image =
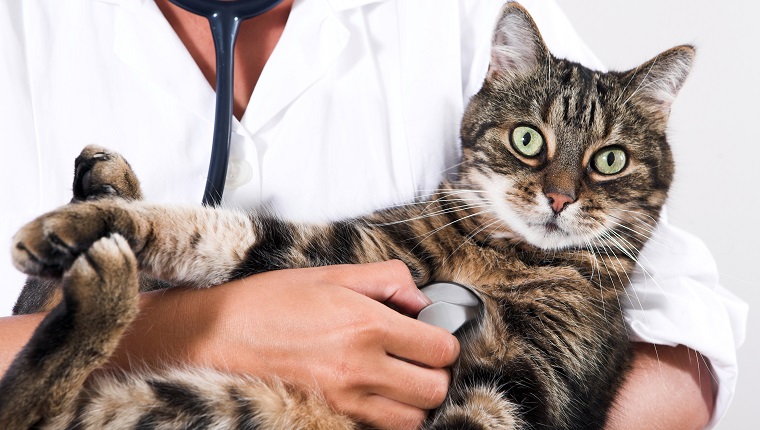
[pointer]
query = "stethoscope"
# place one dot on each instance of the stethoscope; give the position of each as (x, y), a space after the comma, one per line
(454, 305)
(225, 17)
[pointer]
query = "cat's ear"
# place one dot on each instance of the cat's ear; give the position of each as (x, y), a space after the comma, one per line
(517, 48)
(657, 82)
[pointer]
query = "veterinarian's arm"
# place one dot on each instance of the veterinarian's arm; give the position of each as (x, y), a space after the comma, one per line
(309, 328)
(305, 326)
(669, 388)
(14, 333)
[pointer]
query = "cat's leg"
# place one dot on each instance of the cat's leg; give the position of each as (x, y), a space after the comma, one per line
(193, 244)
(99, 301)
(98, 173)
(481, 407)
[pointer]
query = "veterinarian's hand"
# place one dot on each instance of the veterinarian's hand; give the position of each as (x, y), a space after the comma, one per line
(324, 328)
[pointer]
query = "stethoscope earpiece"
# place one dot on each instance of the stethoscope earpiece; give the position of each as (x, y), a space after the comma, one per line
(225, 17)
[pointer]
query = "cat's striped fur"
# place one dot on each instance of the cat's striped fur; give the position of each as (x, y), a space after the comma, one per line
(547, 239)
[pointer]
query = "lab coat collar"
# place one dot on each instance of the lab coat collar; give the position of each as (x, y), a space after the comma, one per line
(145, 41)
(313, 38)
(311, 42)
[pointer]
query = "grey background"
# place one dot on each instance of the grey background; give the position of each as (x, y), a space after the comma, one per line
(714, 132)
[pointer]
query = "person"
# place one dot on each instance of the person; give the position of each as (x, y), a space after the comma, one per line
(342, 107)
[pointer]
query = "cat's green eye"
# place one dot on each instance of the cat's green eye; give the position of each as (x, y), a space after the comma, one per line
(527, 141)
(610, 161)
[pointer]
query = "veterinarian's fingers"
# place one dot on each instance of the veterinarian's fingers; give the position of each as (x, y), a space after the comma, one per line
(421, 343)
(383, 413)
(413, 385)
(389, 282)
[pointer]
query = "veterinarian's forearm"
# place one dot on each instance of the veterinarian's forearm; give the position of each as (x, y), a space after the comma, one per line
(669, 388)
(14, 333)
(338, 337)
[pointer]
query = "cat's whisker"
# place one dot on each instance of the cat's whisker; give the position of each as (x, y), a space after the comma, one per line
(434, 214)
(455, 190)
(587, 245)
(436, 230)
(637, 216)
(623, 225)
(444, 196)
(443, 192)
(627, 252)
(599, 275)
(651, 276)
(612, 280)
(618, 241)
(643, 86)
(651, 66)
(470, 236)
(654, 237)
(627, 84)
(639, 213)
(634, 234)
(701, 359)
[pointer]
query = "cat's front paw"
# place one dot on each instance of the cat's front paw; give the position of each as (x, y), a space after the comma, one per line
(103, 282)
(101, 173)
(49, 245)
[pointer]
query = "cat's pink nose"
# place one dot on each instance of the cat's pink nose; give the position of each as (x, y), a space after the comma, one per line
(559, 201)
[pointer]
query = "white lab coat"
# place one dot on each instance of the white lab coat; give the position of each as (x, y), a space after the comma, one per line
(358, 108)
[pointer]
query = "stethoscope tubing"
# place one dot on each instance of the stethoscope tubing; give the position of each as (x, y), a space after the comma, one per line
(224, 17)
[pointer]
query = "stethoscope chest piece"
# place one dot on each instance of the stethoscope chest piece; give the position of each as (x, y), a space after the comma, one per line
(454, 305)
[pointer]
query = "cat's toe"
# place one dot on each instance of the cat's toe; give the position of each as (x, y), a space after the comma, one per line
(101, 173)
(48, 245)
(40, 254)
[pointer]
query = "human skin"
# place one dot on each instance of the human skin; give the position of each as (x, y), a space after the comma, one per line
(669, 388)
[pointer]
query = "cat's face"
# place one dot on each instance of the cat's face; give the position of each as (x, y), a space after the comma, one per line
(561, 155)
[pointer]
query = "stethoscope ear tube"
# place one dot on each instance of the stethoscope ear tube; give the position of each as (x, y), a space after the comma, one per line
(225, 17)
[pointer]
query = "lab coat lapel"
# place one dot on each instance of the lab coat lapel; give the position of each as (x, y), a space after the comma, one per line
(312, 40)
(145, 41)
(310, 43)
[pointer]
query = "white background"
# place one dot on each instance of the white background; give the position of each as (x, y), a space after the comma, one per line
(714, 131)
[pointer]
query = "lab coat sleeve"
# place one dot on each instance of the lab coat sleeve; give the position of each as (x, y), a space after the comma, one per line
(675, 297)
(19, 171)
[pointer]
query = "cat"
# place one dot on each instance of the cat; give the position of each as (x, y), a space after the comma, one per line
(564, 173)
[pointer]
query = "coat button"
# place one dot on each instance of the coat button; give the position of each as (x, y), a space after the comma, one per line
(239, 173)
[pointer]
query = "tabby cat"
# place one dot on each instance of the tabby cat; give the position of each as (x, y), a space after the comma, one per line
(564, 172)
